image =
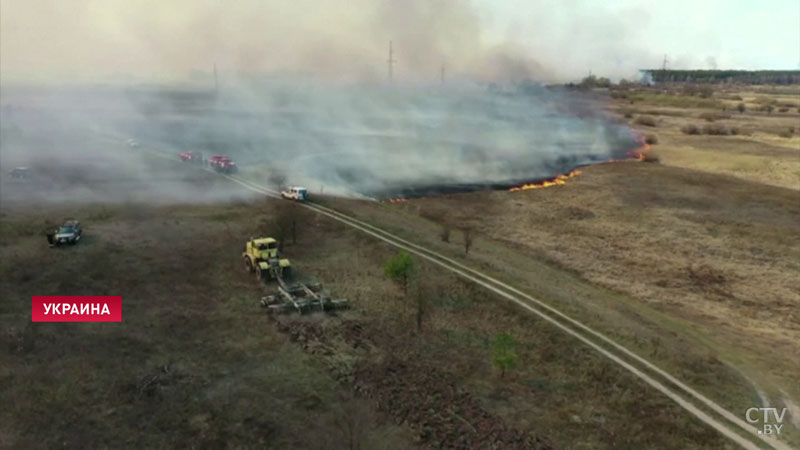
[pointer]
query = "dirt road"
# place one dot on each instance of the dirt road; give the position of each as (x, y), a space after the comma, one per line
(700, 406)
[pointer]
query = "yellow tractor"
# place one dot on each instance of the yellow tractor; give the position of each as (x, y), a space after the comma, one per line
(261, 256)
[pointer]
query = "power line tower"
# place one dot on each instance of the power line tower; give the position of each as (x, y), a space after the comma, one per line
(390, 62)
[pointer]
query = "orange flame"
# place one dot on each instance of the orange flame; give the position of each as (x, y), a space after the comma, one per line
(637, 154)
(561, 179)
(556, 181)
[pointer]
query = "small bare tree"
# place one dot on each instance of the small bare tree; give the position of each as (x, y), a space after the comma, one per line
(445, 233)
(422, 303)
(277, 179)
(351, 425)
(285, 223)
(467, 239)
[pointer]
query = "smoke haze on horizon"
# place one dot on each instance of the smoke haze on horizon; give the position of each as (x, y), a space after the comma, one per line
(121, 41)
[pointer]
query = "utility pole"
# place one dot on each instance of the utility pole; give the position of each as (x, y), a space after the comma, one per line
(390, 62)
(216, 81)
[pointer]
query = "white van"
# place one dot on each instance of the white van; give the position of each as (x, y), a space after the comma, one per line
(295, 193)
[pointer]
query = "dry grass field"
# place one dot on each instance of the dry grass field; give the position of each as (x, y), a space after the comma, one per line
(703, 246)
(765, 147)
(196, 363)
(692, 262)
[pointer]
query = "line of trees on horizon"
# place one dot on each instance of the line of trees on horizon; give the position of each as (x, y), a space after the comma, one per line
(723, 76)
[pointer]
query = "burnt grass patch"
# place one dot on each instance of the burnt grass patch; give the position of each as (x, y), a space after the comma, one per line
(406, 388)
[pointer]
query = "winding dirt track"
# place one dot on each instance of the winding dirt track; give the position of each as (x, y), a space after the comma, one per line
(711, 413)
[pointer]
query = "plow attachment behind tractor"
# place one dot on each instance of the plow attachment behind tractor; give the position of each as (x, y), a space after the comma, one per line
(301, 298)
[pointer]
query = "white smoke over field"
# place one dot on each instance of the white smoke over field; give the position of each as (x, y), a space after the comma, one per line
(68, 141)
(378, 141)
(357, 140)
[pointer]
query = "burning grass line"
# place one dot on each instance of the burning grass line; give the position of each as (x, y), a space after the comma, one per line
(637, 154)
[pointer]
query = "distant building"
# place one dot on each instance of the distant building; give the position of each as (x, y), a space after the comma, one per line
(650, 76)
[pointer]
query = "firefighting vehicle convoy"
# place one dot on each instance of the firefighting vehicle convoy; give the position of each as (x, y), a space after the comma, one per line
(218, 163)
(222, 164)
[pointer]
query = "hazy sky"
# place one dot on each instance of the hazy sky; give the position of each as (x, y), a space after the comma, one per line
(84, 40)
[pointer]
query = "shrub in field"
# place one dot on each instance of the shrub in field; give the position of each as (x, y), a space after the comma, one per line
(689, 89)
(651, 139)
(783, 110)
(400, 269)
(690, 129)
(646, 121)
(503, 355)
(715, 129)
(708, 117)
(705, 91)
(741, 108)
(785, 134)
(712, 116)
(626, 112)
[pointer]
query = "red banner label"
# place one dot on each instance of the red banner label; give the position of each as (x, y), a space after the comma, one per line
(77, 308)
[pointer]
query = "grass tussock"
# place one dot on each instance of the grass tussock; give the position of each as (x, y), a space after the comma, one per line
(715, 129)
(690, 129)
(711, 129)
(678, 101)
(647, 121)
(711, 116)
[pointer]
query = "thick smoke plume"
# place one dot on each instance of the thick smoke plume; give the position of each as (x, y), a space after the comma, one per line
(382, 141)
(303, 90)
(331, 41)
(376, 141)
